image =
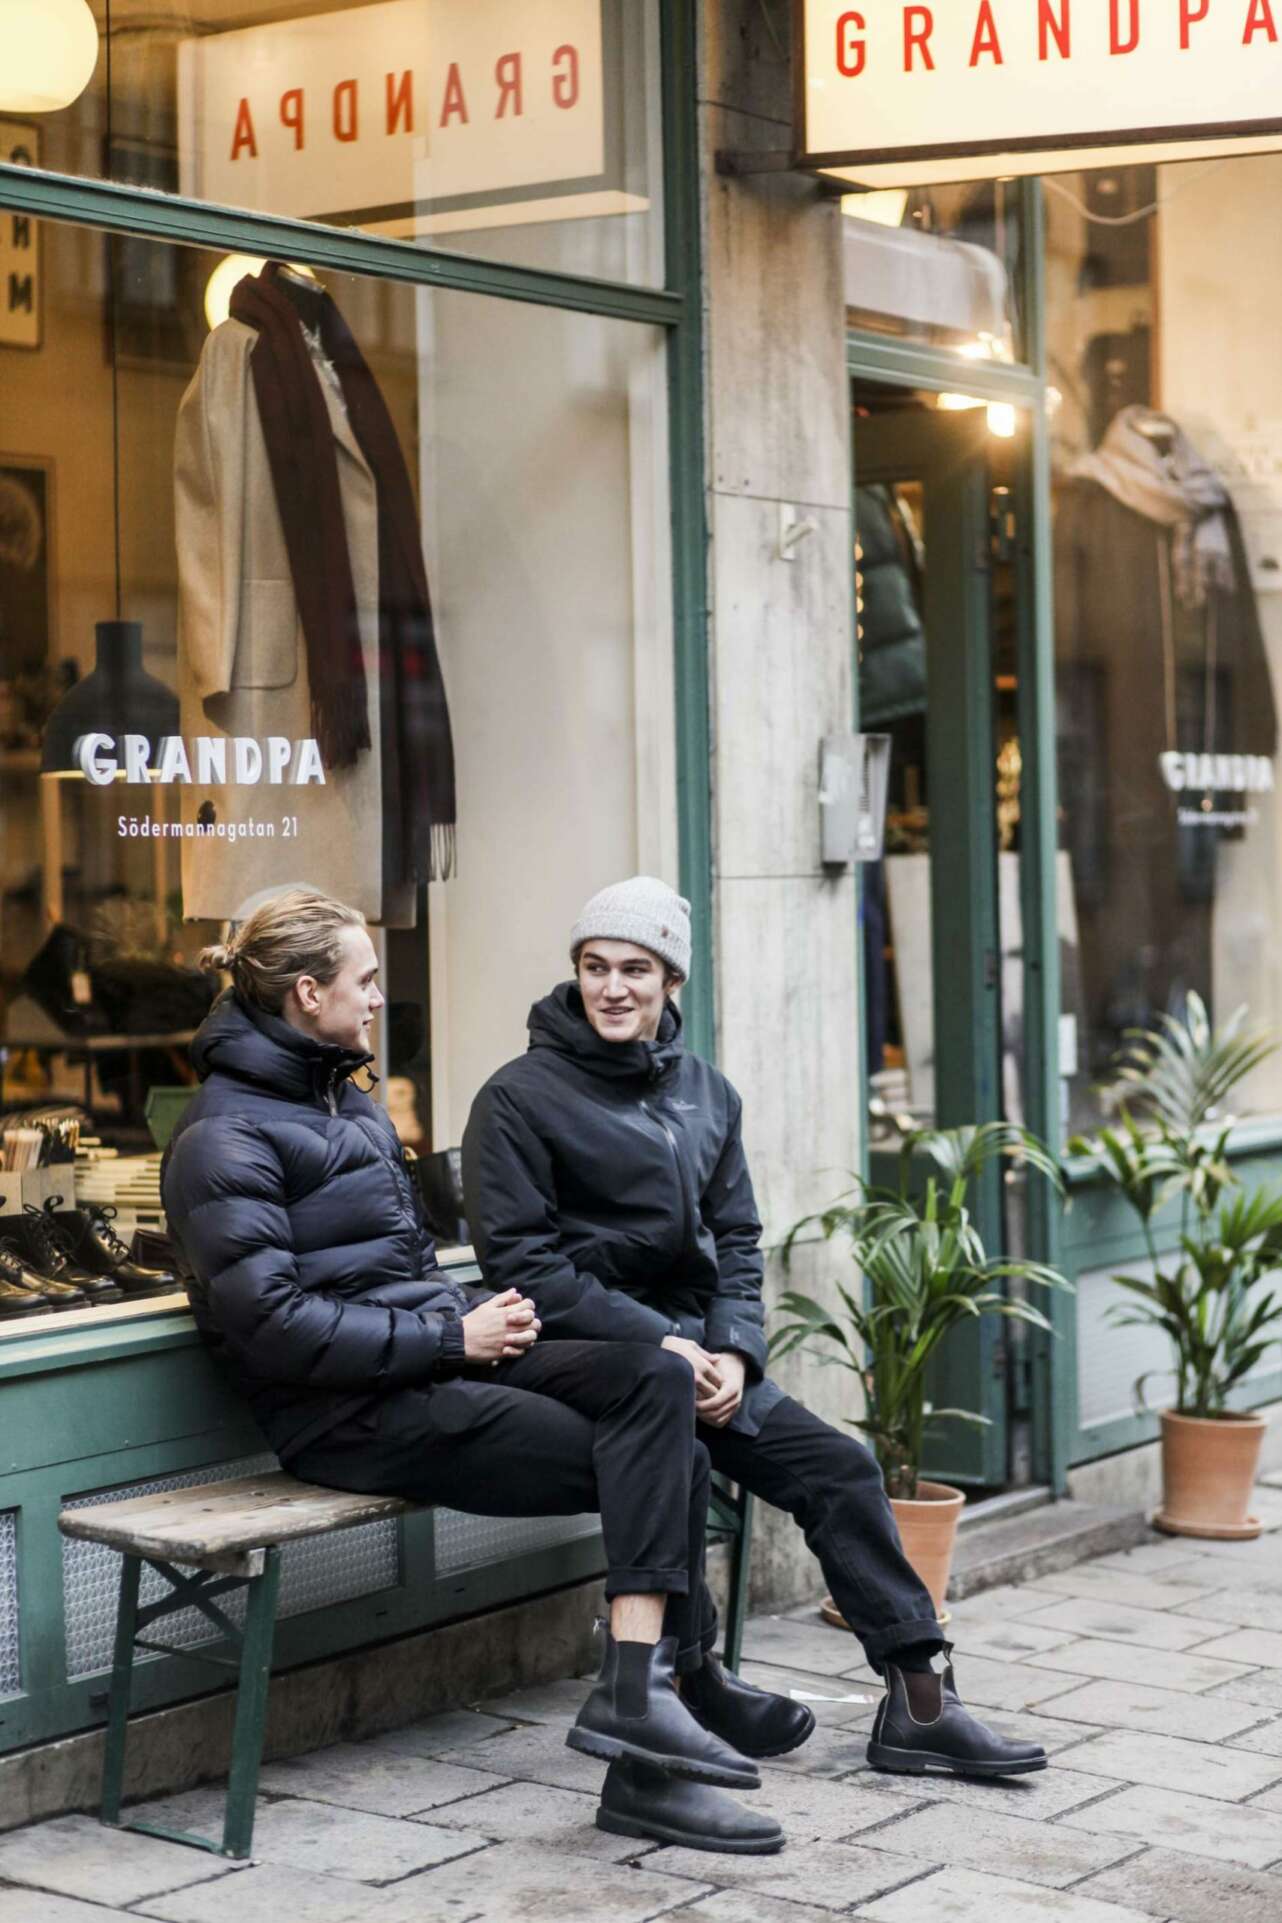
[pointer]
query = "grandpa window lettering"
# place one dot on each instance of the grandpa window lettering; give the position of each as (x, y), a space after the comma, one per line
(404, 108)
(208, 760)
(1126, 24)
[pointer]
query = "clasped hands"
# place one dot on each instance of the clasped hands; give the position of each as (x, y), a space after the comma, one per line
(718, 1379)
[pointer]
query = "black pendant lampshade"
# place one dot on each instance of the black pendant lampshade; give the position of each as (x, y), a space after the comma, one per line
(117, 697)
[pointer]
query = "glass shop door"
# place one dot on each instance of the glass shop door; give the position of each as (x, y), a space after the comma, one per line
(936, 580)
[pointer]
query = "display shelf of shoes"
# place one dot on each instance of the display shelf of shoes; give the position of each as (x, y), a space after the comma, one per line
(128, 1186)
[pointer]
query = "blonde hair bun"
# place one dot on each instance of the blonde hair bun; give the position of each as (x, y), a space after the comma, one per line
(217, 957)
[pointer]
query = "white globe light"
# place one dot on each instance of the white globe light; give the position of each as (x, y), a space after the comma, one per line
(229, 271)
(48, 51)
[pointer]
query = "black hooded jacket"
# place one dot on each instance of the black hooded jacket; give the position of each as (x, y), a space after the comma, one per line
(316, 1283)
(607, 1181)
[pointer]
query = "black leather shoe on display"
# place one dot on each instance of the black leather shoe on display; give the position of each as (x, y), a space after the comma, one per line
(639, 1801)
(634, 1711)
(42, 1244)
(753, 1721)
(92, 1244)
(923, 1725)
(47, 1258)
(16, 1269)
(15, 1300)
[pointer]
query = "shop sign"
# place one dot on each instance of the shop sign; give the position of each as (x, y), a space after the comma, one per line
(239, 761)
(19, 247)
(896, 94)
(410, 117)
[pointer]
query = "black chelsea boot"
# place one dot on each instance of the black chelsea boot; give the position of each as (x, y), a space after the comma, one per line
(923, 1724)
(634, 1711)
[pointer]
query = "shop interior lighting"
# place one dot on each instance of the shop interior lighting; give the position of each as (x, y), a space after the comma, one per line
(1001, 420)
(50, 52)
(227, 274)
(886, 207)
(957, 403)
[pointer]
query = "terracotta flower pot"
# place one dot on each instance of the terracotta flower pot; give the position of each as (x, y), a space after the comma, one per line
(928, 1531)
(1208, 1472)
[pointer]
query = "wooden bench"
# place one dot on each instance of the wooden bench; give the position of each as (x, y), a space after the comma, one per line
(213, 1540)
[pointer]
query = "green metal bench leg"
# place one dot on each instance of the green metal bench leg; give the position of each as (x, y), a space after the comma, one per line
(737, 1601)
(122, 1676)
(251, 1708)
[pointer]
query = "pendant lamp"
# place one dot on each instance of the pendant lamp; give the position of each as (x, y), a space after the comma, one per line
(48, 51)
(117, 697)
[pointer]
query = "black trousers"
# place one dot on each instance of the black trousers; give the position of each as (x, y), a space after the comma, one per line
(831, 1484)
(568, 1429)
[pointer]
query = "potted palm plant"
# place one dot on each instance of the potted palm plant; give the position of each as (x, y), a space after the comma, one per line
(1209, 1295)
(924, 1272)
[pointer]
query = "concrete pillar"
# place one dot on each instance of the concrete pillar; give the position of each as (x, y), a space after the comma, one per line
(781, 648)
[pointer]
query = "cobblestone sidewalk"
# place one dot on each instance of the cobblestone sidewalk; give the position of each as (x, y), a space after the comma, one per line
(1154, 1678)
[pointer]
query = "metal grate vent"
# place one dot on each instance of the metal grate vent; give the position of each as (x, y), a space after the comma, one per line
(10, 1658)
(467, 1542)
(315, 1574)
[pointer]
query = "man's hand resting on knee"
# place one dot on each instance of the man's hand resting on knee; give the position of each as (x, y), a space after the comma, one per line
(504, 1326)
(707, 1379)
(717, 1408)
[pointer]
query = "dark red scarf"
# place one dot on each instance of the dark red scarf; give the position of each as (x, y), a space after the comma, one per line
(414, 718)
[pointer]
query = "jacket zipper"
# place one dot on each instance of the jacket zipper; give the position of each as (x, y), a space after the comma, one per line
(671, 1140)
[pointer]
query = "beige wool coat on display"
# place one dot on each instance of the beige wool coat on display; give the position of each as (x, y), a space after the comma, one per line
(243, 657)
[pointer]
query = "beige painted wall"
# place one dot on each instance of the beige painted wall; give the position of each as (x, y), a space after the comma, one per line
(781, 677)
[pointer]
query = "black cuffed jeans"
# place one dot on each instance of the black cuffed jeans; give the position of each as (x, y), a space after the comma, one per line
(831, 1484)
(567, 1429)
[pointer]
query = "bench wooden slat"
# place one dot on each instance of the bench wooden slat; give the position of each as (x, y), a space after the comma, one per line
(207, 1525)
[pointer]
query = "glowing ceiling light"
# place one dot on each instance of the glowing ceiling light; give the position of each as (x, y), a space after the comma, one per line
(885, 207)
(218, 288)
(957, 403)
(1001, 420)
(50, 52)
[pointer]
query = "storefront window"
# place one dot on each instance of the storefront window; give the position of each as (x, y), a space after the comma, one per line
(527, 133)
(1162, 284)
(317, 593)
(937, 265)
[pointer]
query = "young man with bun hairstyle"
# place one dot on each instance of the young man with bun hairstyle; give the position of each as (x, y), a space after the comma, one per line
(605, 1177)
(317, 1287)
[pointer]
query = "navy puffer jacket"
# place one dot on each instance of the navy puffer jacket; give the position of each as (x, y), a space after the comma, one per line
(316, 1283)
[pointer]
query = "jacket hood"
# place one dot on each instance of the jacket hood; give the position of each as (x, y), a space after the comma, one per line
(237, 1039)
(559, 1022)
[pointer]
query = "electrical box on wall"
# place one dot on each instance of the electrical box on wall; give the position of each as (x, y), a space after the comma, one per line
(854, 772)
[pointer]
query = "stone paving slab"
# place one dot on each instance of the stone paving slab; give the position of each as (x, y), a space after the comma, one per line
(1175, 1884)
(1119, 1662)
(538, 1754)
(1270, 1798)
(826, 1876)
(1265, 1739)
(1229, 1832)
(1043, 1794)
(1175, 1764)
(816, 1688)
(1008, 1641)
(747, 1905)
(813, 1646)
(76, 1856)
(956, 1833)
(528, 1881)
(563, 1819)
(1160, 1556)
(832, 1750)
(1261, 1687)
(813, 1811)
(1118, 1622)
(39, 1906)
(1260, 1647)
(350, 1843)
(1175, 1591)
(363, 1776)
(556, 1702)
(266, 1893)
(1166, 1712)
(972, 1896)
(453, 1729)
(1257, 1607)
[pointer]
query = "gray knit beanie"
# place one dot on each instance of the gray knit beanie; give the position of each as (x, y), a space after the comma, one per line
(644, 911)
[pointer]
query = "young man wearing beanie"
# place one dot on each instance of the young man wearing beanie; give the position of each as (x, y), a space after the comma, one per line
(605, 1177)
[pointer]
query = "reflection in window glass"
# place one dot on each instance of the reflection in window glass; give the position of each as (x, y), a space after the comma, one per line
(281, 600)
(526, 132)
(938, 265)
(1162, 286)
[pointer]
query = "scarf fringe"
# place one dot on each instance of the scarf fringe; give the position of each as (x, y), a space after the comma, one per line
(442, 852)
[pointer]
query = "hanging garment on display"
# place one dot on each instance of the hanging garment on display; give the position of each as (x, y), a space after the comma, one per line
(304, 613)
(1156, 616)
(892, 641)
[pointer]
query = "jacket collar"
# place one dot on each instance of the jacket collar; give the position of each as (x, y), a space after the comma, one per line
(238, 1039)
(558, 1022)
